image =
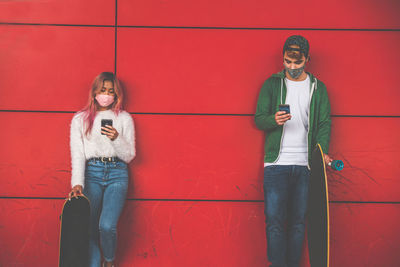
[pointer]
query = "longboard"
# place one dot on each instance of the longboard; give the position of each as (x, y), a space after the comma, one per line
(318, 212)
(74, 233)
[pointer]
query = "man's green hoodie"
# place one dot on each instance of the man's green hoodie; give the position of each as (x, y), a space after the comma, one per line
(273, 93)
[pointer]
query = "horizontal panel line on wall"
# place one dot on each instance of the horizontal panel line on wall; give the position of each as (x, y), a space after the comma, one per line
(364, 202)
(55, 25)
(211, 200)
(199, 28)
(199, 114)
(252, 28)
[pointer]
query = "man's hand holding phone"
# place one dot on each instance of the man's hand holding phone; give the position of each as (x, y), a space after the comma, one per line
(283, 114)
(281, 117)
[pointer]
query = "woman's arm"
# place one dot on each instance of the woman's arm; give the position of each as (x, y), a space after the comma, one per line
(124, 144)
(78, 158)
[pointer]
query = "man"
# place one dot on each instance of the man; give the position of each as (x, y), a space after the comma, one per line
(289, 141)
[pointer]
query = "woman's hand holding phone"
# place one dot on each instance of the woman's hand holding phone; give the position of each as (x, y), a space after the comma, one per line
(110, 132)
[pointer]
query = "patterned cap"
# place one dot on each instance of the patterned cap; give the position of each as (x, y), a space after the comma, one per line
(298, 40)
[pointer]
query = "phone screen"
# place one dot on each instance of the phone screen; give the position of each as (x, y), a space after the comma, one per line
(105, 122)
(285, 108)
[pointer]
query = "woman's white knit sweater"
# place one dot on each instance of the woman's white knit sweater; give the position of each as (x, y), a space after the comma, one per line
(84, 147)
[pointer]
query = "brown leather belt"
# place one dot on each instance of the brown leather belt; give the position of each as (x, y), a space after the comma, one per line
(106, 159)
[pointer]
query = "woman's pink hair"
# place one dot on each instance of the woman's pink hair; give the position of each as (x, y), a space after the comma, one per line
(89, 111)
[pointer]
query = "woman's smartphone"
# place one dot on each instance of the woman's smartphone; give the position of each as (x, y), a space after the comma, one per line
(105, 122)
(284, 107)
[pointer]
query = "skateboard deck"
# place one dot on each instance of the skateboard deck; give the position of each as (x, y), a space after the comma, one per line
(74, 233)
(318, 212)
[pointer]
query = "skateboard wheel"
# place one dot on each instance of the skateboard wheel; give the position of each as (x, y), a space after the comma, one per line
(337, 165)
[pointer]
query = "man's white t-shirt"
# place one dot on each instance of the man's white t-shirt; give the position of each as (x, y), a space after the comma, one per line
(294, 140)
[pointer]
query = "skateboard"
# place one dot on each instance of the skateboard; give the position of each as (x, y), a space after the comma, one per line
(318, 209)
(74, 233)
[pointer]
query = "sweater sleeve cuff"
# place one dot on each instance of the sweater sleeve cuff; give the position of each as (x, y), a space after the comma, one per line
(77, 181)
(118, 142)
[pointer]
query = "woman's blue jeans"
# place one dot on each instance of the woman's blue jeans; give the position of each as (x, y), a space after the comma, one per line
(285, 206)
(106, 185)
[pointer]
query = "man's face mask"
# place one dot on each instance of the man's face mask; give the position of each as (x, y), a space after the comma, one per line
(295, 73)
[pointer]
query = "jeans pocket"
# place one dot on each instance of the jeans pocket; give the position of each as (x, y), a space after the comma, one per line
(93, 170)
(275, 174)
(121, 165)
(270, 167)
(93, 164)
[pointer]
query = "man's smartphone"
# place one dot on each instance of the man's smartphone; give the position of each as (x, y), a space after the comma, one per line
(105, 122)
(284, 107)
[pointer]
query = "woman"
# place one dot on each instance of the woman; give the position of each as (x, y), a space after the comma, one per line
(99, 162)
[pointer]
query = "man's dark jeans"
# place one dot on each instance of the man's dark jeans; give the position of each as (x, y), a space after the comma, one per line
(285, 206)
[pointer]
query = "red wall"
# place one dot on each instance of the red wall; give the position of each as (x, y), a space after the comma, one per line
(193, 70)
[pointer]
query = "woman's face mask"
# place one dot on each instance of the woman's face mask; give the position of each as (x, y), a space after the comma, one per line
(105, 95)
(104, 100)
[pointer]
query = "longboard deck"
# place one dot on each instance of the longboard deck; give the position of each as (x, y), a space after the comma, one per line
(318, 212)
(74, 233)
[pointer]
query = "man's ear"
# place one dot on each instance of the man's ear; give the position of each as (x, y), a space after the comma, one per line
(308, 58)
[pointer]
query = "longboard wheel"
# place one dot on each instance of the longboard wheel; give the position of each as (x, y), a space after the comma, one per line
(337, 165)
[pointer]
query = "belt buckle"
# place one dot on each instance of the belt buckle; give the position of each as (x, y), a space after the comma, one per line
(106, 159)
